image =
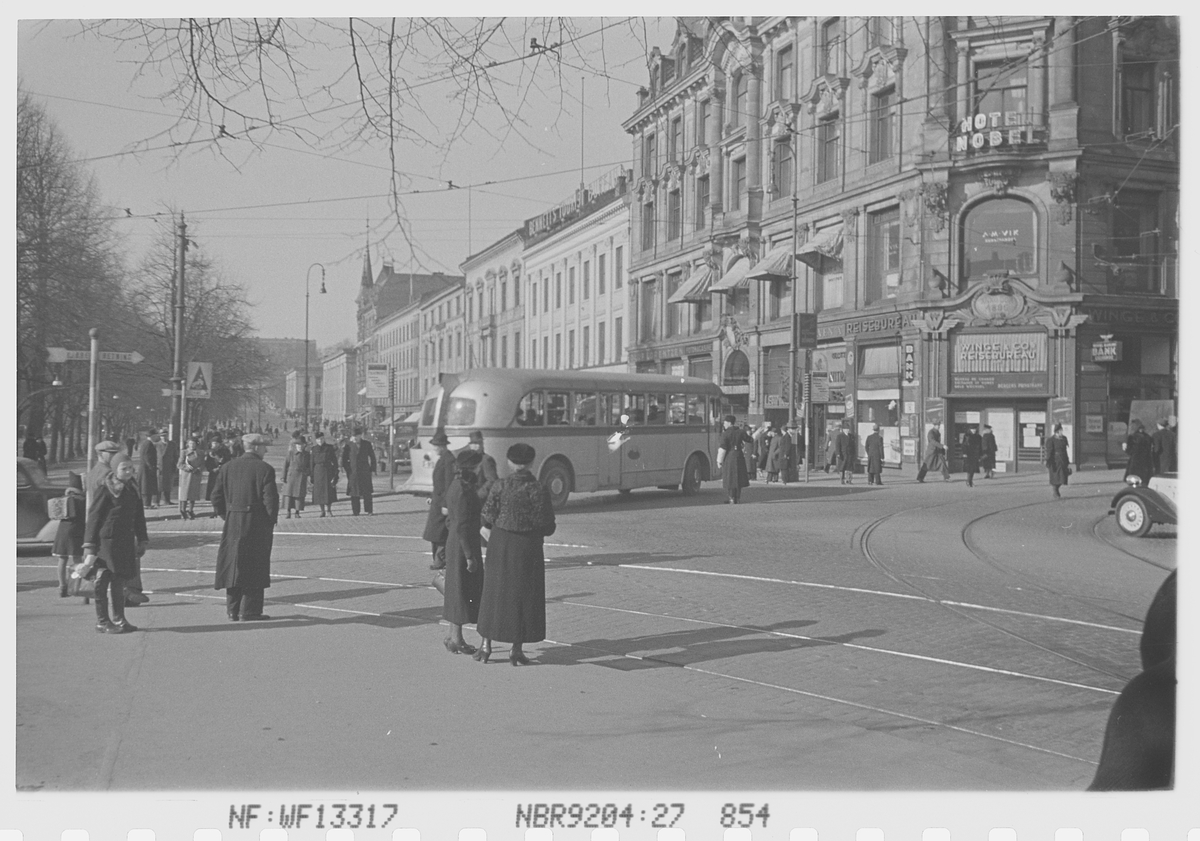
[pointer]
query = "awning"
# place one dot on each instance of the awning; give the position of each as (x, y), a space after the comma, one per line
(696, 289)
(777, 265)
(825, 245)
(735, 278)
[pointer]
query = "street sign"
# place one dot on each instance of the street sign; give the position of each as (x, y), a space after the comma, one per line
(377, 381)
(112, 356)
(56, 355)
(199, 380)
(168, 392)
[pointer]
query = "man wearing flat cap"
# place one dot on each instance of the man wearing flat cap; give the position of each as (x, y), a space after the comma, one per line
(435, 522)
(246, 498)
(486, 471)
(358, 461)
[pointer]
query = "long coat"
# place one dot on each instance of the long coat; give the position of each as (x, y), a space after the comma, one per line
(1058, 461)
(733, 468)
(147, 474)
(246, 497)
(324, 474)
(972, 452)
(168, 465)
(358, 462)
(435, 520)
(935, 452)
(1140, 449)
(216, 458)
(191, 475)
(1164, 450)
(115, 524)
(874, 447)
(463, 587)
(847, 450)
(296, 469)
(988, 460)
(781, 456)
(513, 606)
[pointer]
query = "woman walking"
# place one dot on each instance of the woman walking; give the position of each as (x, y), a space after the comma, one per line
(731, 461)
(324, 473)
(988, 462)
(935, 457)
(464, 550)
(68, 541)
(296, 469)
(114, 538)
(513, 606)
(1058, 462)
(191, 477)
(1140, 448)
(781, 458)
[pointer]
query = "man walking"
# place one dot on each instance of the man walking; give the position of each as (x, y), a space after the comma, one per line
(1164, 449)
(847, 451)
(358, 461)
(874, 445)
(436, 530)
(246, 498)
(147, 474)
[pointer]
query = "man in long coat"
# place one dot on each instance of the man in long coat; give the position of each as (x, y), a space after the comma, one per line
(147, 474)
(1164, 449)
(435, 522)
(874, 445)
(358, 461)
(168, 468)
(324, 473)
(247, 499)
(988, 462)
(972, 448)
(847, 451)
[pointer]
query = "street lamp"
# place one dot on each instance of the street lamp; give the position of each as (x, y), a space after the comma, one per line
(307, 274)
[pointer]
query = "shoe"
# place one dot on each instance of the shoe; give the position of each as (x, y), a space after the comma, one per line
(135, 598)
(254, 617)
(62, 592)
(322, 513)
(233, 617)
(289, 516)
(105, 626)
(518, 659)
(482, 655)
(121, 627)
(458, 647)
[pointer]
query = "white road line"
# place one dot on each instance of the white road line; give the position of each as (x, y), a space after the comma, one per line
(886, 593)
(342, 534)
(939, 660)
(273, 575)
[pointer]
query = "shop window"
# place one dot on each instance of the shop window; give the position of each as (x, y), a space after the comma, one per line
(999, 236)
(882, 277)
(1134, 243)
(878, 360)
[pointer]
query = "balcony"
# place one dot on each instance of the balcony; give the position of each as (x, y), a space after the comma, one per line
(999, 132)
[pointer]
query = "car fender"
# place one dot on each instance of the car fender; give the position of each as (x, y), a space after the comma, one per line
(1160, 509)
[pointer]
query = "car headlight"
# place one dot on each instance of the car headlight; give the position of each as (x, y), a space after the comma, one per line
(1133, 481)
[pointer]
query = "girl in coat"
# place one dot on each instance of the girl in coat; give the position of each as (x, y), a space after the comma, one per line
(1140, 448)
(296, 469)
(68, 542)
(191, 478)
(114, 538)
(464, 550)
(1058, 462)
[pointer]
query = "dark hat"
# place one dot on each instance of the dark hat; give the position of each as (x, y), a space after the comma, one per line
(521, 453)
(1058, 427)
(318, 434)
(108, 447)
(358, 430)
(476, 436)
(74, 480)
(439, 439)
(730, 418)
(468, 459)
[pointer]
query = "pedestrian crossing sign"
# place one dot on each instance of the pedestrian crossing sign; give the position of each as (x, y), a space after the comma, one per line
(199, 380)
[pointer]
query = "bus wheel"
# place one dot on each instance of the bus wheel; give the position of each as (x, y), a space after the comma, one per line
(691, 476)
(557, 479)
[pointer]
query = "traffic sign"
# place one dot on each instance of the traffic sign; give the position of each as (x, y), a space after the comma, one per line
(199, 380)
(114, 356)
(56, 355)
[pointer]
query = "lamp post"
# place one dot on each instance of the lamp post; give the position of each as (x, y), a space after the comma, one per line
(307, 275)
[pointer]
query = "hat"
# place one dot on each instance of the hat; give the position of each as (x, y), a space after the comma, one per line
(74, 480)
(439, 439)
(252, 438)
(108, 447)
(476, 436)
(468, 459)
(318, 434)
(521, 453)
(1058, 427)
(730, 419)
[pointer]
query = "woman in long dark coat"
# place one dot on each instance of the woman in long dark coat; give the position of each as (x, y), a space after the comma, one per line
(731, 461)
(1058, 461)
(781, 458)
(114, 538)
(988, 462)
(519, 513)
(1140, 448)
(296, 469)
(464, 550)
(972, 454)
(324, 474)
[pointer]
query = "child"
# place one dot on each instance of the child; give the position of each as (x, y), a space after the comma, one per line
(68, 543)
(114, 538)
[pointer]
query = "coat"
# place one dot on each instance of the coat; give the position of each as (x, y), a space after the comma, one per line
(846, 450)
(324, 474)
(246, 497)
(168, 463)
(435, 520)
(733, 468)
(874, 453)
(296, 469)
(513, 605)
(988, 460)
(116, 524)
(214, 460)
(147, 474)
(1140, 449)
(935, 452)
(972, 452)
(1164, 449)
(191, 475)
(781, 456)
(1058, 461)
(463, 587)
(358, 462)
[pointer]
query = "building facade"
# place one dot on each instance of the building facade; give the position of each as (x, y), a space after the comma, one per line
(339, 378)
(294, 388)
(979, 227)
(443, 335)
(495, 319)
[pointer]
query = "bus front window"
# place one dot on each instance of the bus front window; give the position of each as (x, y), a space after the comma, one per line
(428, 412)
(461, 412)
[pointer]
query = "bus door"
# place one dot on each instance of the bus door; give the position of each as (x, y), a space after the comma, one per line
(610, 442)
(633, 462)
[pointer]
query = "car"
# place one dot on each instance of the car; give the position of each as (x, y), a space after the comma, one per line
(1139, 506)
(34, 526)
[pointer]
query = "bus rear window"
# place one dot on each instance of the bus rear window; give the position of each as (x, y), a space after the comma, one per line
(461, 412)
(428, 412)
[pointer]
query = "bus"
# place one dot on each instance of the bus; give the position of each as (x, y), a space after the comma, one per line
(574, 421)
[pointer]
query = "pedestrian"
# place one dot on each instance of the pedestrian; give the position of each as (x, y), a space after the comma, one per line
(147, 472)
(34, 448)
(988, 460)
(130, 443)
(218, 456)
(168, 468)
(191, 477)
(68, 540)
(1164, 448)
(435, 520)
(110, 456)
(781, 458)
(115, 538)
(297, 467)
(358, 462)
(731, 461)
(847, 452)
(793, 433)
(520, 515)
(935, 456)
(233, 443)
(874, 448)
(247, 499)
(105, 451)
(487, 473)
(972, 445)
(830, 451)
(1140, 449)
(762, 447)
(324, 473)
(464, 549)
(1058, 461)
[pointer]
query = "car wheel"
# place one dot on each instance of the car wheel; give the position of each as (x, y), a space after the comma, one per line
(691, 476)
(556, 476)
(1132, 516)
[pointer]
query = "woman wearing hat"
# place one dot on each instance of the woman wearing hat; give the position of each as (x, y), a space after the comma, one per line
(191, 477)
(68, 542)
(731, 461)
(296, 469)
(324, 473)
(520, 515)
(464, 549)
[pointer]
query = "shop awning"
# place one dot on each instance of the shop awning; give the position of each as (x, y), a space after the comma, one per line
(735, 278)
(777, 265)
(696, 289)
(825, 245)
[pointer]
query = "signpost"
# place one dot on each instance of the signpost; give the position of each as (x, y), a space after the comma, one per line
(198, 383)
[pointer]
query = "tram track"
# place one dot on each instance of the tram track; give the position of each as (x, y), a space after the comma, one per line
(1112, 544)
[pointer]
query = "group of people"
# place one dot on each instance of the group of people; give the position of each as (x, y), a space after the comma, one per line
(321, 464)
(1151, 455)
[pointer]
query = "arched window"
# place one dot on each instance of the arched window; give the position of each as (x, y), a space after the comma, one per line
(737, 369)
(1000, 236)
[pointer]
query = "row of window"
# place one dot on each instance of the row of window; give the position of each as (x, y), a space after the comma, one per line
(586, 288)
(580, 408)
(585, 360)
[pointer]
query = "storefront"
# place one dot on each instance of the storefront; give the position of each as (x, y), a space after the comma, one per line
(829, 396)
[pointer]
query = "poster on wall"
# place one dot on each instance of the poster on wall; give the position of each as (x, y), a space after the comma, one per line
(1002, 428)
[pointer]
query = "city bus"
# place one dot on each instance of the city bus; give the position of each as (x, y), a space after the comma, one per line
(592, 431)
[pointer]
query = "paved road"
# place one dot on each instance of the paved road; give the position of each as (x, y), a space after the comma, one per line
(816, 637)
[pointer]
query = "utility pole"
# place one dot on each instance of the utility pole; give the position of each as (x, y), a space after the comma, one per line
(177, 379)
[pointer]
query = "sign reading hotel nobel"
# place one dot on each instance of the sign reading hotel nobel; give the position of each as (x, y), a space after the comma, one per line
(999, 363)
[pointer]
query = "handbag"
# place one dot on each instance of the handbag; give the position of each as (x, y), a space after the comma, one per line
(439, 581)
(56, 508)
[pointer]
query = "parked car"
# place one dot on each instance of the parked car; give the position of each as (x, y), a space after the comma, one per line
(34, 526)
(1139, 506)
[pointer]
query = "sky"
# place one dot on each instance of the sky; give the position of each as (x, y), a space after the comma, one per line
(267, 212)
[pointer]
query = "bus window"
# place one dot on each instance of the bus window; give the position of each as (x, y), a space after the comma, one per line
(635, 406)
(695, 409)
(610, 409)
(531, 409)
(678, 409)
(427, 413)
(656, 412)
(585, 409)
(461, 412)
(558, 408)
(714, 412)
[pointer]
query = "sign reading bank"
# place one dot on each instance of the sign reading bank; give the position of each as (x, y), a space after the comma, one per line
(999, 363)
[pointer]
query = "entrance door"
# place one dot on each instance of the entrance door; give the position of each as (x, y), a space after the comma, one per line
(1031, 432)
